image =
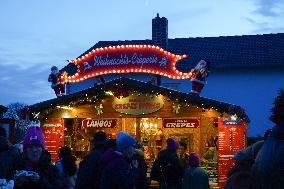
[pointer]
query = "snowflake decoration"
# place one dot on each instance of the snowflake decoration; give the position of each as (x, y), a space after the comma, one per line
(99, 109)
(176, 108)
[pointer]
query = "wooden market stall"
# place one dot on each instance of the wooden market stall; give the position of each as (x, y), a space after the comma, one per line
(213, 129)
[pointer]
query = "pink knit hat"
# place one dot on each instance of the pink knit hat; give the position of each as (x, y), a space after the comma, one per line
(193, 159)
(33, 136)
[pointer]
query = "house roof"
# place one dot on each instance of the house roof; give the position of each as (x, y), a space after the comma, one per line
(246, 51)
(128, 84)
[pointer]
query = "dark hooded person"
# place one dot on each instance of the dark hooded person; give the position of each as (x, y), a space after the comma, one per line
(268, 169)
(167, 169)
(195, 177)
(8, 157)
(88, 175)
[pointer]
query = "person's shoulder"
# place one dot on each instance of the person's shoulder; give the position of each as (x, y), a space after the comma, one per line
(200, 170)
(94, 154)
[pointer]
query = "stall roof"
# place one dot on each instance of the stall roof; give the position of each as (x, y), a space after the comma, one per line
(127, 84)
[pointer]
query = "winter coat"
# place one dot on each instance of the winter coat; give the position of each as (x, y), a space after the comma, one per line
(195, 178)
(49, 176)
(253, 149)
(117, 172)
(8, 158)
(69, 181)
(268, 170)
(88, 177)
(141, 181)
(184, 161)
(167, 170)
(240, 176)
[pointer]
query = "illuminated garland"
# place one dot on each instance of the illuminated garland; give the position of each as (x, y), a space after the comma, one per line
(79, 76)
(124, 87)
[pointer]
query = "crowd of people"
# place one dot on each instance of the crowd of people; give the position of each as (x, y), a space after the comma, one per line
(119, 163)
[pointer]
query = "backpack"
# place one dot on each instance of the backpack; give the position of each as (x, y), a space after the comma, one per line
(167, 169)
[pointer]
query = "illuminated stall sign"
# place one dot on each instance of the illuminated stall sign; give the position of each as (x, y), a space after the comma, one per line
(127, 59)
(53, 131)
(180, 123)
(98, 123)
(138, 105)
(231, 138)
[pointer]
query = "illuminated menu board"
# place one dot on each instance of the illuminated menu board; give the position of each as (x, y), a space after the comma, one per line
(53, 131)
(231, 138)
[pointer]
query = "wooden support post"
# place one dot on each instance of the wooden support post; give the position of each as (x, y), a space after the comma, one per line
(138, 130)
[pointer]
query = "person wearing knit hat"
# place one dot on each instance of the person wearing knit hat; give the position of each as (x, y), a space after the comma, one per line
(167, 169)
(34, 136)
(123, 141)
(35, 170)
(269, 163)
(119, 169)
(195, 177)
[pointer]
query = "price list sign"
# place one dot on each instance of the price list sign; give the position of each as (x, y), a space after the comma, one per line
(231, 138)
(53, 131)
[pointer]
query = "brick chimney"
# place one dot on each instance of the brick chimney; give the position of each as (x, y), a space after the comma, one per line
(160, 38)
(160, 31)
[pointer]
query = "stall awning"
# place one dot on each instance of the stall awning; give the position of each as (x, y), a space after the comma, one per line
(132, 85)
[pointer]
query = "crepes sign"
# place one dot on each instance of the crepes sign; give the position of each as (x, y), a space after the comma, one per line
(138, 105)
(180, 123)
(98, 123)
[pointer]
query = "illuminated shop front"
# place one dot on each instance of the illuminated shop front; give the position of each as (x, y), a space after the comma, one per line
(151, 113)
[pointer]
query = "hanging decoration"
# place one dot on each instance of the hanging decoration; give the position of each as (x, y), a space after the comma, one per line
(124, 87)
(176, 107)
(99, 109)
(57, 81)
(147, 59)
(199, 74)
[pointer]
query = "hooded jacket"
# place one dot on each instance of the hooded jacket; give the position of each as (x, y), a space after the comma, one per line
(88, 174)
(195, 178)
(8, 158)
(268, 169)
(117, 172)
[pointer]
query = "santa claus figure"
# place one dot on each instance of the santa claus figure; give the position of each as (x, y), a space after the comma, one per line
(199, 74)
(57, 84)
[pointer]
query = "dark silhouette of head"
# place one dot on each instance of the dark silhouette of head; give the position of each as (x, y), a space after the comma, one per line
(68, 161)
(278, 109)
(64, 152)
(100, 139)
(267, 133)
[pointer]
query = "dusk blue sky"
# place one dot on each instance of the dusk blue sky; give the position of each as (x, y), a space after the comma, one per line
(34, 34)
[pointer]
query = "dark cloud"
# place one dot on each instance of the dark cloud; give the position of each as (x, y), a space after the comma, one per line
(29, 86)
(267, 17)
(268, 7)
